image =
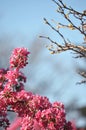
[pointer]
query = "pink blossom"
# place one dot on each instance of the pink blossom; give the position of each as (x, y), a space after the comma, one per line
(2, 78)
(51, 118)
(12, 76)
(15, 79)
(19, 57)
(34, 112)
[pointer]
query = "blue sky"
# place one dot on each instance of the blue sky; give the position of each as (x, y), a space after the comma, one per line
(21, 17)
(22, 21)
(25, 17)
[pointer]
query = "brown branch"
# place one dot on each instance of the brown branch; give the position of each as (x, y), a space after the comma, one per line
(83, 74)
(68, 46)
(68, 13)
(55, 30)
(76, 14)
(9, 110)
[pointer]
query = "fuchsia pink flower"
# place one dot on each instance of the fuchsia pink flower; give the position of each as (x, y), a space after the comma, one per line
(2, 78)
(15, 77)
(34, 112)
(19, 57)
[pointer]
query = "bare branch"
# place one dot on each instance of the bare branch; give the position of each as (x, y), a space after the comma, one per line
(69, 14)
(68, 46)
(80, 16)
(55, 30)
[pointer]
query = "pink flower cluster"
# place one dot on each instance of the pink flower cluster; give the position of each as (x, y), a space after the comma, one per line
(19, 58)
(35, 112)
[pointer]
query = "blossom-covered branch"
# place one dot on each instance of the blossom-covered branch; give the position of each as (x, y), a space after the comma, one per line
(34, 112)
